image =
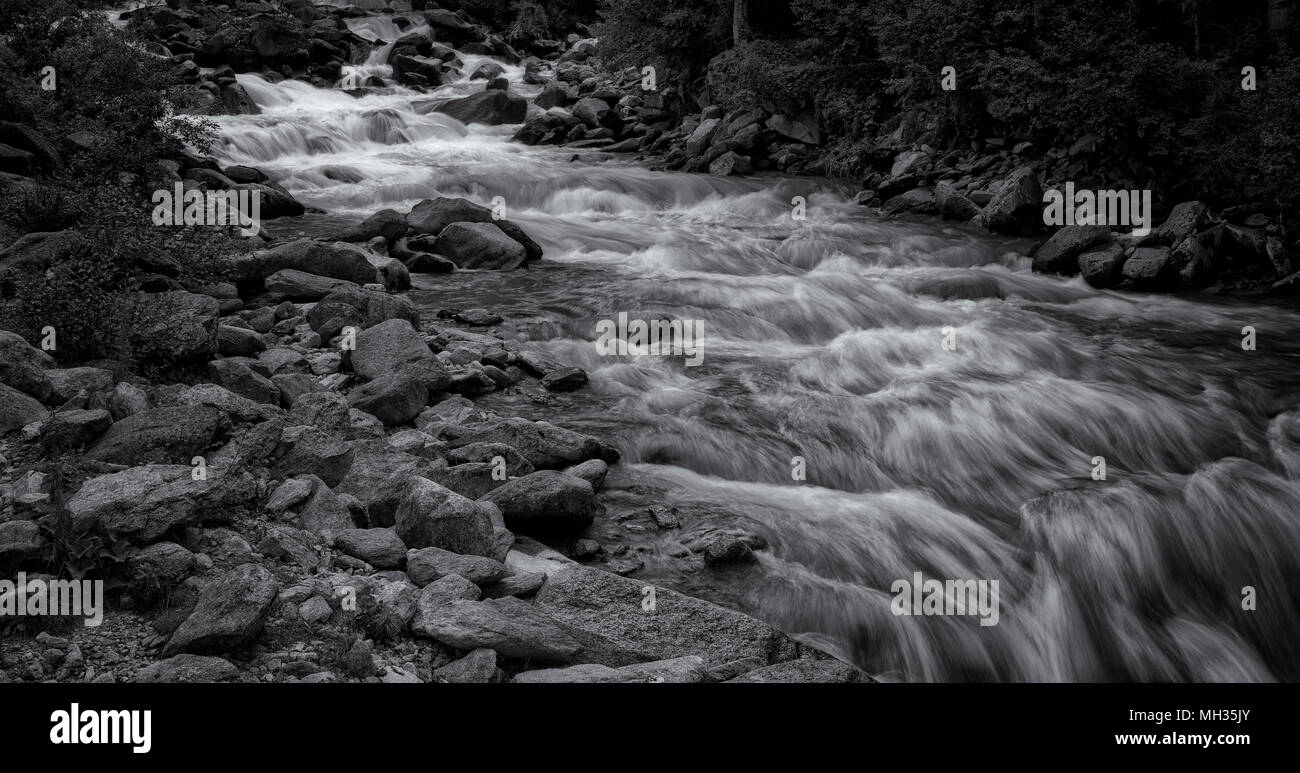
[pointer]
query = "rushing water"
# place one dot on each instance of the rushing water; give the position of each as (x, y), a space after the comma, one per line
(823, 339)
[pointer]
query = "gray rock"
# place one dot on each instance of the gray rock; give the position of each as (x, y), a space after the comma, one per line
(189, 669)
(688, 669)
(487, 107)
(431, 216)
(590, 599)
(308, 450)
(19, 540)
(1148, 268)
(425, 565)
(593, 471)
(516, 629)
(394, 399)
(17, 409)
(545, 502)
(478, 667)
(1017, 206)
(66, 383)
(174, 327)
(803, 671)
(142, 504)
(544, 445)
(229, 614)
(297, 285)
(381, 548)
(394, 347)
(479, 246)
(239, 378)
(238, 341)
(168, 435)
(1103, 268)
(431, 515)
(23, 366)
(1060, 254)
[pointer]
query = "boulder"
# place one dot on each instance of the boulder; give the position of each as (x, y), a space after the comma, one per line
(1148, 268)
(491, 107)
(337, 260)
(544, 445)
(425, 565)
(387, 223)
(593, 600)
(238, 377)
(431, 515)
(294, 285)
(480, 246)
(545, 502)
(952, 204)
(17, 409)
(394, 399)
(174, 328)
(229, 614)
(1060, 254)
(1103, 268)
(141, 504)
(431, 216)
(23, 366)
(173, 435)
(381, 548)
(395, 347)
(1017, 206)
(188, 669)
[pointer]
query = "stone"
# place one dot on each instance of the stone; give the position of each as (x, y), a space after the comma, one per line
(516, 629)
(1060, 254)
(478, 667)
(545, 502)
(1103, 268)
(593, 471)
(141, 504)
(308, 450)
(174, 328)
(565, 379)
(431, 216)
(479, 246)
(297, 285)
(381, 548)
(1017, 206)
(487, 107)
(238, 342)
(591, 599)
(393, 347)
(189, 669)
(173, 435)
(1148, 268)
(394, 399)
(17, 409)
(431, 515)
(229, 614)
(544, 445)
(425, 565)
(687, 669)
(66, 383)
(238, 377)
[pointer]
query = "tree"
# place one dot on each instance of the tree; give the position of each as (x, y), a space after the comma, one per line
(740, 29)
(1281, 21)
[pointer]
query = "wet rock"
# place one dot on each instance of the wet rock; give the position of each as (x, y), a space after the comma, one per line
(479, 246)
(387, 223)
(431, 216)
(728, 550)
(952, 204)
(592, 471)
(565, 379)
(1148, 268)
(487, 107)
(803, 671)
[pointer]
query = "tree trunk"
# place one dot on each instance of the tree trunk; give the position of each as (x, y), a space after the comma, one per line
(1281, 21)
(740, 31)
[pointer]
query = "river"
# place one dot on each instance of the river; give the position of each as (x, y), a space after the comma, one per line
(824, 339)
